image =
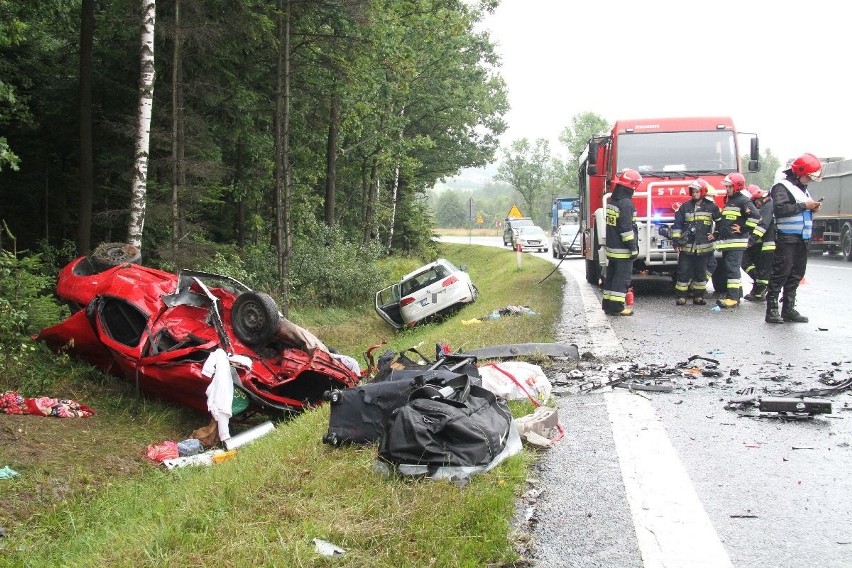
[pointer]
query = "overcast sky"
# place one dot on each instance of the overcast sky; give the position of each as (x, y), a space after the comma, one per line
(779, 69)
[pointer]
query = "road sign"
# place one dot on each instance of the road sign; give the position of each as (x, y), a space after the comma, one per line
(480, 219)
(515, 212)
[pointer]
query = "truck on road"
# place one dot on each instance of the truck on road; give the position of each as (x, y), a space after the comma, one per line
(669, 153)
(832, 224)
(564, 210)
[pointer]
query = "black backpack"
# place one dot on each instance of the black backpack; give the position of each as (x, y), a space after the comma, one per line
(457, 424)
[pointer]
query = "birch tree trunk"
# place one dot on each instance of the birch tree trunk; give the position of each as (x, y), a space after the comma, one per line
(143, 132)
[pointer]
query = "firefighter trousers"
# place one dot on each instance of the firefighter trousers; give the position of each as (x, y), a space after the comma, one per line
(757, 263)
(616, 283)
(691, 273)
(731, 260)
(788, 268)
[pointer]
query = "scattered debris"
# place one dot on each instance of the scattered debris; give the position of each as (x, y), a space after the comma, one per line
(792, 407)
(327, 549)
(8, 473)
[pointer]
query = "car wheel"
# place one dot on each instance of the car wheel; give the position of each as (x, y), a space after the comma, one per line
(107, 255)
(254, 318)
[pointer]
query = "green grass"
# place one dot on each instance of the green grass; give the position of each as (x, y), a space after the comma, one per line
(265, 507)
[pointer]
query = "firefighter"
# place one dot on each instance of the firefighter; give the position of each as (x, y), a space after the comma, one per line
(794, 209)
(757, 258)
(738, 219)
(692, 233)
(622, 243)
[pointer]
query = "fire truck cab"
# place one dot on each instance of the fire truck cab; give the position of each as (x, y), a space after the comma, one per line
(669, 153)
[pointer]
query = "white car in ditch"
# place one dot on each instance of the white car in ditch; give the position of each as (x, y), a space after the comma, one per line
(436, 289)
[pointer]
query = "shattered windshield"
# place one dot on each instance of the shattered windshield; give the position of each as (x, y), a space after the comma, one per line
(677, 152)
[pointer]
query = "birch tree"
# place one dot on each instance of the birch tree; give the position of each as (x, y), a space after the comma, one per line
(143, 131)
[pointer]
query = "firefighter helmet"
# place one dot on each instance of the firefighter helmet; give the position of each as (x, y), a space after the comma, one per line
(807, 165)
(629, 178)
(701, 185)
(755, 191)
(735, 180)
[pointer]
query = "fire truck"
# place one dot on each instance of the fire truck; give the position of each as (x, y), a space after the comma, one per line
(669, 153)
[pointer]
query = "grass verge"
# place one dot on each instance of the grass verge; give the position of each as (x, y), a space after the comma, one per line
(265, 507)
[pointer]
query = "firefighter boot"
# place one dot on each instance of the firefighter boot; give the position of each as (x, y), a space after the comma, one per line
(681, 301)
(727, 303)
(699, 300)
(788, 311)
(757, 294)
(772, 315)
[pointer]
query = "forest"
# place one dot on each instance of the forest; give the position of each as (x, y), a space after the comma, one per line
(277, 128)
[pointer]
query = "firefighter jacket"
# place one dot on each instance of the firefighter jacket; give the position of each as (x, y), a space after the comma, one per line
(764, 232)
(738, 219)
(622, 235)
(693, 222)
(793, 220)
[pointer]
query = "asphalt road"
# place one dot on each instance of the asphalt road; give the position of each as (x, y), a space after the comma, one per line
(675, 479)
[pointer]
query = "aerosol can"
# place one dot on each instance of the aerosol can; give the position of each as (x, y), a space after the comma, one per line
(628, 298)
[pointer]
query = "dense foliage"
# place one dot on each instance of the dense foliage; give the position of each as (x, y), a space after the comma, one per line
(385, 97)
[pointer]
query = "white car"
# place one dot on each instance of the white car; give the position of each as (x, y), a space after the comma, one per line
(532, 238)
(432, 290)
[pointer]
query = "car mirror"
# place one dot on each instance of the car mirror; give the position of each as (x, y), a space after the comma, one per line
(463, 267)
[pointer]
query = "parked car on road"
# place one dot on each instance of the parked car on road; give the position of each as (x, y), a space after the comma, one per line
(566, 240)
(158, 328)
(532, 238)
(432, 290)
(511, 226)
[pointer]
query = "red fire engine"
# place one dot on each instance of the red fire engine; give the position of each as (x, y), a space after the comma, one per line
(669, 153)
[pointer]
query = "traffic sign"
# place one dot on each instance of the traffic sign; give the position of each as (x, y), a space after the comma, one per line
(515, 212)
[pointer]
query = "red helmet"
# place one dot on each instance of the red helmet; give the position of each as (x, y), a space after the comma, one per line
(755, 191)
(807, 165)
(736, 180)
(629, 178)
(701, 185)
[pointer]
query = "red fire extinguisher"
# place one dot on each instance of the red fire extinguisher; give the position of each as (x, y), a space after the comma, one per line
(628, 298)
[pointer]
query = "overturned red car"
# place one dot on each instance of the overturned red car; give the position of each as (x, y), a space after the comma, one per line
(158, 329)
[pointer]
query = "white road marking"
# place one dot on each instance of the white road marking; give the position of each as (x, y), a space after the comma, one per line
(671, 525)
(672, 528)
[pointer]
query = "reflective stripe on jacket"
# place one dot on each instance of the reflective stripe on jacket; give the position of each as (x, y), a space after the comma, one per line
(799, 223)
(693, 222)
(739, 211)
(622, 236)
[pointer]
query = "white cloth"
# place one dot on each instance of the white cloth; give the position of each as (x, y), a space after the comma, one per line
(220, 391)
(350, 362)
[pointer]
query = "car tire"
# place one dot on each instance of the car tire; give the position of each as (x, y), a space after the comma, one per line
(107, 255)
(254, 317)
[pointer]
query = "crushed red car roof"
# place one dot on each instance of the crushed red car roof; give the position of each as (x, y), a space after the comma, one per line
(157, 329)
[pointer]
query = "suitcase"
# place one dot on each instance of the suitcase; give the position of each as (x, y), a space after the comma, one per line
(358, 414)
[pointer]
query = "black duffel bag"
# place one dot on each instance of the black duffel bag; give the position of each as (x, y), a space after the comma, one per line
(461, 424)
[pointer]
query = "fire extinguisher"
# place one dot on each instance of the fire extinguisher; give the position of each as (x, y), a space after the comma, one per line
(628, 298)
